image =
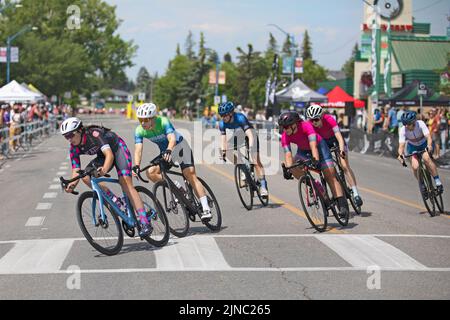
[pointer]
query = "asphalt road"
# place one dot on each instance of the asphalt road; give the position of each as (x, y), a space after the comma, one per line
(394, 250)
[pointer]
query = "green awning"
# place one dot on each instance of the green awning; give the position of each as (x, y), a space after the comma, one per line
(421, 55)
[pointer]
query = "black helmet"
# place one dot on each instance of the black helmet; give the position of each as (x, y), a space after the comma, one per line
(288, 118)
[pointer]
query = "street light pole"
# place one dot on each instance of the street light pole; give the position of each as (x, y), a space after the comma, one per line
(293, 54)
(8, 50)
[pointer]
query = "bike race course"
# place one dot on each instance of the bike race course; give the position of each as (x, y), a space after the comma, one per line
(266, 253)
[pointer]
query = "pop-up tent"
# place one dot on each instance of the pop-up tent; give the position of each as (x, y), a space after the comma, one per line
(13, 91)
(338, 98)
(299, 92)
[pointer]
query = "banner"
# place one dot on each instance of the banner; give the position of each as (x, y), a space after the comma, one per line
(14, 55)
(298, 65)
(288, 64)
(213, 76)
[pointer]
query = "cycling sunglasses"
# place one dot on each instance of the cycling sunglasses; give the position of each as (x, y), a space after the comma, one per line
(69, 135)
(146, 120)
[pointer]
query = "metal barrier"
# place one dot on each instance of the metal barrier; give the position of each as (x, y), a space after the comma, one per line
(28, 133)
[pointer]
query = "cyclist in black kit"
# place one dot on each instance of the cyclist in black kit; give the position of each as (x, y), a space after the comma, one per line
(110, 150)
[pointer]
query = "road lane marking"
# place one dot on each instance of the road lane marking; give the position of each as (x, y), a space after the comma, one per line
(195, 253)
(55, 187)
(367, 251)
(35, 257)
(44, 206)
(392, 198)
(276, 200)
(35, 222)
(50, 195)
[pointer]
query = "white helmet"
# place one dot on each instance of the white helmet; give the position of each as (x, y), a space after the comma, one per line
(314, 111)
(146, 111)
(70, 125)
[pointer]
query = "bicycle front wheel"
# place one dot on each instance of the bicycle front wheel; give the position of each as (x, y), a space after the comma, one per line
(106, 235)
(216, 221)
(157, 217)
(176, 213)
(426, 191)
(313, 204)
(244, 187)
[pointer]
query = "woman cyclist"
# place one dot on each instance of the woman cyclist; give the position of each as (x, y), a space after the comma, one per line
(417, 135)
(328, 129)
(310, 145)
(159, 130)
(110, 150)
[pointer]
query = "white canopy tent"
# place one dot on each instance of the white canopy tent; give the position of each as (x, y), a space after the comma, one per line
(299, 92)
(13, 91)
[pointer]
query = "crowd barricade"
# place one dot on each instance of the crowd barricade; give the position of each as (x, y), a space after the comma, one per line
(381, 143)
(27, 134)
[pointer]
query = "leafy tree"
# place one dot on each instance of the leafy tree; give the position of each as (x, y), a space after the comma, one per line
(189, 46)
(349, 66)
(307, 47)
(313, 74)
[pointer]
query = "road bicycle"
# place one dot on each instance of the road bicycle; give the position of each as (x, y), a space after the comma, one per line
(247, 184)
(181, 204)
(340, 175)
(431, 197)
(314, 197)
(98, 216)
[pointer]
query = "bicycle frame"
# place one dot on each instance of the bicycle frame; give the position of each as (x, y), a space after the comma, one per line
(129, 218)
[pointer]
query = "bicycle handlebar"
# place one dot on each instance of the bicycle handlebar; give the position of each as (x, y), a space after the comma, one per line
(158, 161)
(81, 175)
(415, 153)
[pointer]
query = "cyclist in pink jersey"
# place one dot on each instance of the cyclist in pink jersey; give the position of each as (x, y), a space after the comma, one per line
(328, 129)
(310, 145)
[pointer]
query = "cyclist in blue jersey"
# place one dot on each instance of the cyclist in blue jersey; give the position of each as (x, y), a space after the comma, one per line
(160, 131)
(235, 121)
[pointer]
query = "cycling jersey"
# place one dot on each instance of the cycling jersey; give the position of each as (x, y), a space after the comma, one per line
(239, 121)
(416, 137)
(94, 141)
(305, 134)
(329, 127)
(158, 134)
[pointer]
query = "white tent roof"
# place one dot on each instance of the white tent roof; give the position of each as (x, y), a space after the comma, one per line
(13, 91)
(299, 92)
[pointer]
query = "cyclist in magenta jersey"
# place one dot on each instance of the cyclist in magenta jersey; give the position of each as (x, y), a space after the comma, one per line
(110, 150)
(310, 146)
(327, 127)
(235, 121)
(160, 131)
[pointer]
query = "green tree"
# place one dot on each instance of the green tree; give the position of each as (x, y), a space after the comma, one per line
(313, 74)
(306, 47)
(189, 46)
(349, 66)
(143, 81)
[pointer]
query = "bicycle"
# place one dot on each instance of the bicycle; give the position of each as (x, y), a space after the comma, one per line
(250, 185)
(102, 228)
(429, 192)
(314, 197)
(181, 206)
(340, 175)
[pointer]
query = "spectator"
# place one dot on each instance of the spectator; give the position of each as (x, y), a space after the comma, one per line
(433, 124)
(214, 120)
(335, 115)
(391, 120)
(399, 117)
(378, 120)
(34, 114)
(14, 129)
(443, 128)
(2, 130)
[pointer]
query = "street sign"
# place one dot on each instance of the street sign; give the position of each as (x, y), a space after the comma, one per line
(298, 65)
(216, 100)
(68, 95)
(222, 77)
(224, 99)
(287, 65)
(142, 96)
(422, 90)
(130, 98)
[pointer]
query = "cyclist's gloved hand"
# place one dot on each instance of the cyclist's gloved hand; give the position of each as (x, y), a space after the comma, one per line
(136, 170)
(223, 155)
(287, 174)
(343, 155)
(315, 165)
(167, 155)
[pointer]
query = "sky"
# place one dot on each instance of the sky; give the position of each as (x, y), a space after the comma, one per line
(157, 26)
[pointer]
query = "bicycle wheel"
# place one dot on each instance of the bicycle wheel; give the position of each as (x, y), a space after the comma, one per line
(160, 235)
(106, 236)
(427, 194)
(216, 221)
(264, 201)
(244, 188)
(349, 193)
(176, 213)
(313, 204)
(440, 203)
(343, 221)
